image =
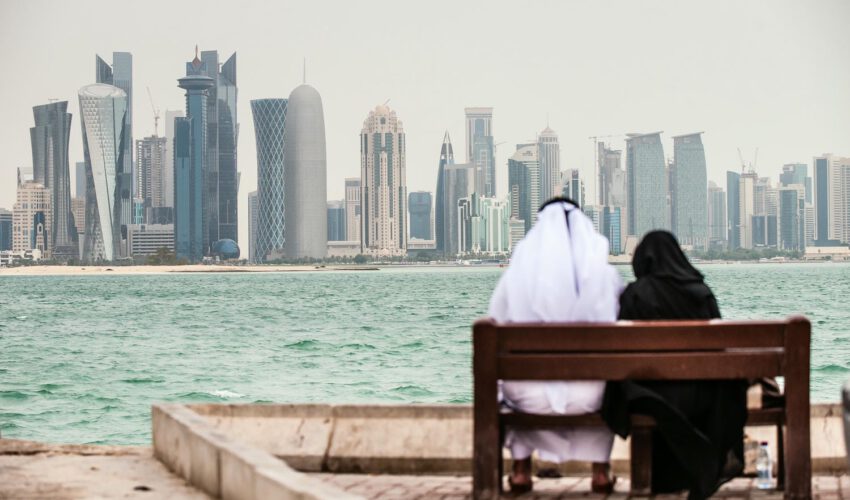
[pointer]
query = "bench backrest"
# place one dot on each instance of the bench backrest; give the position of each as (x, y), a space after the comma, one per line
(658, 350)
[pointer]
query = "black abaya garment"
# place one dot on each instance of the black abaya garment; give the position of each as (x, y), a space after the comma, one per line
(698, 441)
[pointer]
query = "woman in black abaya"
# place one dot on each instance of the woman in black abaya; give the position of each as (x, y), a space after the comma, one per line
(698, 441)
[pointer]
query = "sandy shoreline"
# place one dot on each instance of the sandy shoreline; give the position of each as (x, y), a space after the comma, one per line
(136, 270)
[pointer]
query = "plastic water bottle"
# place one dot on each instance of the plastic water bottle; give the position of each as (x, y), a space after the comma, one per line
(764, 468)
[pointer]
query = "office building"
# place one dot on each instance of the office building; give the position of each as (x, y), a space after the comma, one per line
(149, 239)
(480, 149)
(78, 208)
(733, 210)
(384, 186)
(221, 174)
(5, 229)
(79, 179)
(419, 206)
(797, 173)
(792, 217)
(572, 187)
(483, 226)
(459, 184)
(612, 177)
(689, 207)
(120, 75)
(549, 155)
(102, 114)
(832, 200)
(32, 216)
(612, 228)
(747, 210)
(305, 176)
(193, 214)
(524, 185)
(253, 208)
(442, 209)
(150, 171)
(647, 189)
(352, 208)
(336, 220)
(49, 139)
(168, 170)
(269, 128)
(717, 218)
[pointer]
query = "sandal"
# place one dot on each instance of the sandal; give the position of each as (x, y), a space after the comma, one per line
(606, 488)
(519, 488)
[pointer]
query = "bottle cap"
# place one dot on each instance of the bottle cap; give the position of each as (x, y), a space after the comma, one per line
(763, 443)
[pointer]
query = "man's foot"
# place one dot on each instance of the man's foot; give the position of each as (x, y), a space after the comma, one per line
(520, 478)
(601, 482)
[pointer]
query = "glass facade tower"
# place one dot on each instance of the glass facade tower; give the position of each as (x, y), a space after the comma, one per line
(419, 205)
(690, 204)
(647, 183)
(480, 149)
(269, 126)
(440, 213)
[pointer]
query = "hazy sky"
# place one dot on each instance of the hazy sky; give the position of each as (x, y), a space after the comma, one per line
(772, 75)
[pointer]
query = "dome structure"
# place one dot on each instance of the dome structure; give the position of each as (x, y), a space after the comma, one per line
(225, 250)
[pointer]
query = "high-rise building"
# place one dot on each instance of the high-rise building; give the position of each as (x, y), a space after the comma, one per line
(572, 186)
(832, 200)
(102, 109)
(193, 214)
(612, 177)
(480, 149)
(336, 220)
(733, 210)
(150, 171)
(305, 176)
(253, 208)
(483, 226)
(646, 184)
(441, 203)
(80, 180)
(717, 218)
(748, 209)
(792, 217)
(797, 173)
(419, 205)
(120, 75)
(352, 208)
(221, 174)
(168, 170)
(612, 228)
(524, 184)
(689, 211)
(459, 183)
(5, 229)
(384, 185)
(549, 155)
(49, 138)
(269, 129)
(32, 216)
(78, 208)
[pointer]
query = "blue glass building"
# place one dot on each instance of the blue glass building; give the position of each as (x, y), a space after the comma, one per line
(5, 230)
(646, 184)
(419, 206)
(689, 214)
(733, 209)
(269, 127)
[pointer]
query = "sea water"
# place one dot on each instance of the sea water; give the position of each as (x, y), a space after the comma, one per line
(83, 357)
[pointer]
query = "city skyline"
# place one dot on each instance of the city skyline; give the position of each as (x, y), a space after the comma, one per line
(733, 114)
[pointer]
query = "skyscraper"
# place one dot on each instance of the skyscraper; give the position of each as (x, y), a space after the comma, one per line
(717, 218)
(103, 110)
(748, 209)
(352, 208)
(305, 175)
(49, 138)
(80, 180)
(459, 183)
(646, 184)
(221, 176)
(480, 149)
(336, 220)
(31, 219)
(689, 204)
(168, 174)
(192, 212)
(5, 229)
(612, 178)
(571, 186)
(384, 185)
(419, 205)
(120, 75)
(524, 184)
(150, 171)
(797, 173)
(733, 210)
(549, 154)
(832, 200)
(792, 234)
(253, 208)
(269, 127)
(441, 234)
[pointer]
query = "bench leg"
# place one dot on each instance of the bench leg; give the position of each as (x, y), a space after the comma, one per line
(641, 460)
(798, 450)
(780, 458)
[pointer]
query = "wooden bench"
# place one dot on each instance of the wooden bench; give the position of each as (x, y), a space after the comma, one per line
(641, 350)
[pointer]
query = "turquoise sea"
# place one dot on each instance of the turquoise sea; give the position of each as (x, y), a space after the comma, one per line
(82, 358)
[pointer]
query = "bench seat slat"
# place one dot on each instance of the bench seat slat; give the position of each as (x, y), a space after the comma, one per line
(755, 417)
(640, 366)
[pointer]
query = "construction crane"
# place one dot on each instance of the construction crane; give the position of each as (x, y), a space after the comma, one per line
(752, 166)
(155, 113)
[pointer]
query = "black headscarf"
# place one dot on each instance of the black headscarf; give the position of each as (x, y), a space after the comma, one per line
(698, 442)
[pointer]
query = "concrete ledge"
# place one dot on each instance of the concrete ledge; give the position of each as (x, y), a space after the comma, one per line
(192, 448)
(425, 439)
